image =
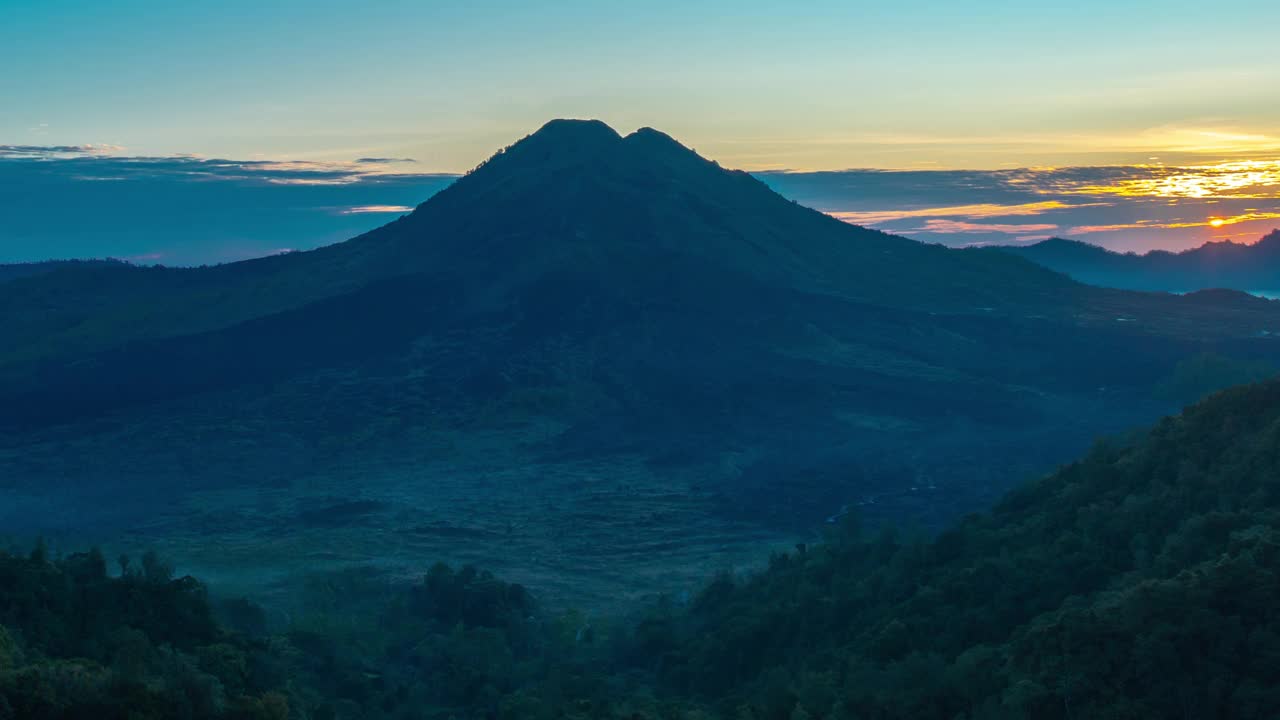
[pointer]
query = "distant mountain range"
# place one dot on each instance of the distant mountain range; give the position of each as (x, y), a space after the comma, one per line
(1239, 266)
(590, 336)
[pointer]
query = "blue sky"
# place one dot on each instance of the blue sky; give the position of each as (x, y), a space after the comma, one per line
(762, 85)
(1119, 123)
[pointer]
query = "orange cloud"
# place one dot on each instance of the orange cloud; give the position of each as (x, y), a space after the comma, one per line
(980, 210)
(365, 209)
(1175, 224)
(1242, 179)
(961, 226)
(1244, 217)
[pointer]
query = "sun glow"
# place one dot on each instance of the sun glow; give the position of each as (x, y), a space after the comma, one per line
(1243, 179)
(1217, 222)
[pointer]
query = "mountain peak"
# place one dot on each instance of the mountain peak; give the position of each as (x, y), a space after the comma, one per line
(1271, 238)
(650, 136)
(657, 144)
(1061, 245)
(558, 142)
(570, 138)
(584, 156)
(566, 134)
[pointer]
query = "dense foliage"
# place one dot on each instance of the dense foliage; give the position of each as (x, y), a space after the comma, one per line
(1139, 582)
(76, 643)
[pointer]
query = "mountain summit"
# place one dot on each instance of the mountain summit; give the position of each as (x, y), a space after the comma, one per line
(577, 193)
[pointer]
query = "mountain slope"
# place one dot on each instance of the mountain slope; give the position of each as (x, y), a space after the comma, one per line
(612, 322)
(1249, 267)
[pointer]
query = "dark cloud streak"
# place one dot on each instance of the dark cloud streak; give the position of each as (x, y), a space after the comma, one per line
(186, 210)
(52, 151)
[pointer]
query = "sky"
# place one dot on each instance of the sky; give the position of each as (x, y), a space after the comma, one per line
(1152, 90)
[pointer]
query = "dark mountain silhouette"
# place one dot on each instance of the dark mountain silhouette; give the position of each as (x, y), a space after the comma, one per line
(20, 270)
(592, 298)
(1240, 266)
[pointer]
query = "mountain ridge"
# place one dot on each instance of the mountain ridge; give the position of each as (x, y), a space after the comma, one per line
(1216, 264)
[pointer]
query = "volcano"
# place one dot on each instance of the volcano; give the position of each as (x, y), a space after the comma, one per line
(660, 346)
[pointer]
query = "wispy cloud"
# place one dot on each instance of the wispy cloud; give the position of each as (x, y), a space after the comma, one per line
(56, 151)
(187, 210)
(979, 210)
(1184, 144)
(1243, 218)
(368, 209)
(964, 227)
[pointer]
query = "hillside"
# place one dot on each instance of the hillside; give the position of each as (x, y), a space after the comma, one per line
(604, 361)
(1239, 266)
(1138, 582)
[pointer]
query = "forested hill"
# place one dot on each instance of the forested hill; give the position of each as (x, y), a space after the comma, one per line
(1139, 582)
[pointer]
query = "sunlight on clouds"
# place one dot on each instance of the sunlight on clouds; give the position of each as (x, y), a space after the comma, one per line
(1242, 218)
(980, 210)
(366, 209)
(1122, 206)
(1213, 222)
(1138, 225)
(964, 227)
(1240, 179)
(1207, 141)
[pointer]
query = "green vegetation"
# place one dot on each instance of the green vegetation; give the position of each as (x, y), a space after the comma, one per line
(1139, 582)
(1199, 375)
(76, 643)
